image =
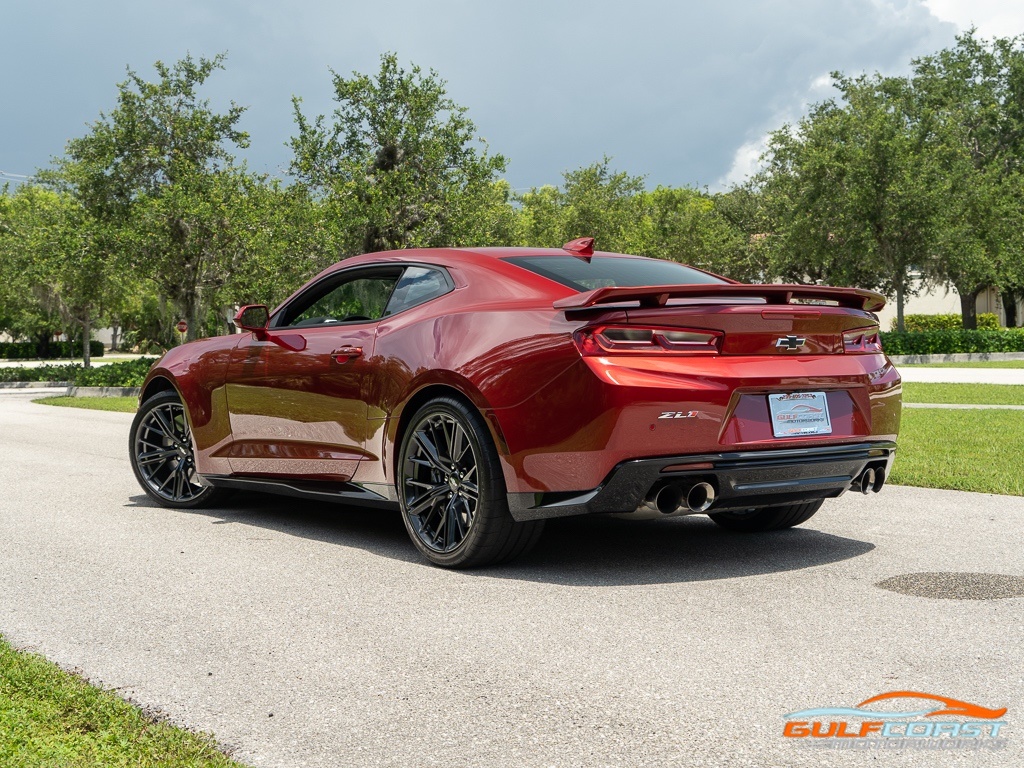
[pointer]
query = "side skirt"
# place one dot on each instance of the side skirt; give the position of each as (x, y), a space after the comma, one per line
(376, 495)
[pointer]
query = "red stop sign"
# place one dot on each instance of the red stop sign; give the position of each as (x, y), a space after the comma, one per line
(182, 326)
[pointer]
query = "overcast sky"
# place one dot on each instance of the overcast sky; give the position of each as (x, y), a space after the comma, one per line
(679, 92)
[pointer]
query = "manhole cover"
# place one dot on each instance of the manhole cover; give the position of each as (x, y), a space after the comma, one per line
(956, 586)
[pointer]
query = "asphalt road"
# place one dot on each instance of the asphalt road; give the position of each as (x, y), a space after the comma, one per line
(310, 635)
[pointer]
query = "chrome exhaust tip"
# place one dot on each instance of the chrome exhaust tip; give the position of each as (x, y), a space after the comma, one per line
(665, 499)
(866, 482)
(700, 497)
(879, 480)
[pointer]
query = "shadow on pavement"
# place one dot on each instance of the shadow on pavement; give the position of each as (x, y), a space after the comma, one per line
(583, 551)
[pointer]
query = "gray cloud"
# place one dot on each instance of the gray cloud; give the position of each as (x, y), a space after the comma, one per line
(671, 90)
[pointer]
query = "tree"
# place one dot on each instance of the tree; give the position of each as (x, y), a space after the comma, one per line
(744, 209)
(22, 311)
(852, 190)
(158, 169)
(974, 93)
(62, 254)
(399, 163)
(689, 225)
(593, 201)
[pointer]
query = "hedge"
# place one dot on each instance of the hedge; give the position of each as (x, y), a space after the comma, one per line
(952, 342)
(130, 373)
(914, 323)
(27, 350)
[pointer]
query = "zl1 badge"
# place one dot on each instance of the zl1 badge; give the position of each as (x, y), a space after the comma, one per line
(679, 415)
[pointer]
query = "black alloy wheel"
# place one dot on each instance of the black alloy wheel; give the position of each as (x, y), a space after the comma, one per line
(160, 446)
(452, 491)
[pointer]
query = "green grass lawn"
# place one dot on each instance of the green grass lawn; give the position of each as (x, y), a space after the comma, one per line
(961, 450)
(51, 718)
(124, 404)
(973, 394)
(978, 364)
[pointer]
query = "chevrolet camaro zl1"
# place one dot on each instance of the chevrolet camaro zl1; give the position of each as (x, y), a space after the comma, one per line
(482, 391)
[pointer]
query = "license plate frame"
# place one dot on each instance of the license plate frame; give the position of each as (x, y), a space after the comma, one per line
(799, 414)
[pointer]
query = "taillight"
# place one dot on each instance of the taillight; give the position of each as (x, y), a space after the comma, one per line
(862, 340)
(624, 339)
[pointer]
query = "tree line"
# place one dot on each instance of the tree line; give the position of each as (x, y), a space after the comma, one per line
(150, 217)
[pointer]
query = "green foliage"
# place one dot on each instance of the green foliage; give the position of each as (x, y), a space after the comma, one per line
(973, 96)
(158, 172)
(953, 342)
(28, 350)
(149, 219)
(130, 373)
(904, 174)
(914, 323)
(711, 232)
(49, 718)
(399, 164)
(593, 201)
(963, 450)
(849, 193)
(34, 236)
(706, 231)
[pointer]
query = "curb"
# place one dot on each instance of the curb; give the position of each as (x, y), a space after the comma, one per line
(33, 384)
(103, 391)
(959, 357)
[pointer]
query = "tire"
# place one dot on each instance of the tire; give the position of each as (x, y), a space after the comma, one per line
(160, 448)
(768, 518)
(452, 490)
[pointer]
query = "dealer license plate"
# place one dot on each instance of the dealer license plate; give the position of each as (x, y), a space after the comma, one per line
(799, 414)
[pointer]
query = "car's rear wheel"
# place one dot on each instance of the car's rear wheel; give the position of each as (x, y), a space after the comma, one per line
(768, 518)
(160, 447)
(452, 490)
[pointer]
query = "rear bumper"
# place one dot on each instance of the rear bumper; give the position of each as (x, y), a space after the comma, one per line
(741, 479)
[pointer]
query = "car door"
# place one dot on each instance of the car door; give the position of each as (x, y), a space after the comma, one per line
(297, 397)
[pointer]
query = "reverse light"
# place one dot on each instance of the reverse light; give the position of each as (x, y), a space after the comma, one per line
(862, 341)
(615, 340)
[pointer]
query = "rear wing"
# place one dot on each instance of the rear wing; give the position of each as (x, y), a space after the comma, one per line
(658, 295)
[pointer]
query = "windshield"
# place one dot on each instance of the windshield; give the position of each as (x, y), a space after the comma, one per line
(611, 271)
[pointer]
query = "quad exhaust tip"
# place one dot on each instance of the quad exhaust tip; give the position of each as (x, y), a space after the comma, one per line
(700, 497)
(674, 497)
(871, 480)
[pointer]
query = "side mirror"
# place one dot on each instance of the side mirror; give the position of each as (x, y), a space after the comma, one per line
(253, 317)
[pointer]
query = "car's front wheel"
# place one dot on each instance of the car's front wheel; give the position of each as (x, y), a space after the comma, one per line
(452, 490)
(768, 518)
(160, 447)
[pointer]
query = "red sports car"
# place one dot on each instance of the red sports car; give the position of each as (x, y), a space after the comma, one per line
(484, 390)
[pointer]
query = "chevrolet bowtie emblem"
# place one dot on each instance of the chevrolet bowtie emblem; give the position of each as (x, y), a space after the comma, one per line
(790, 342)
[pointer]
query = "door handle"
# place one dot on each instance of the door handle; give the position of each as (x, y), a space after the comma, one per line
(344, 354)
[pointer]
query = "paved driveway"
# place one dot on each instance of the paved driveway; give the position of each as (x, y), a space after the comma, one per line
(309, 635)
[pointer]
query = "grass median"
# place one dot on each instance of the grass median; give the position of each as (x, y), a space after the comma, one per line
(49, 717)
(961, 450)
(122, 404)
(965, 394)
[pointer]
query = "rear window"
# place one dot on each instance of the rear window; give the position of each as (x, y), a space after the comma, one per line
(611, 271)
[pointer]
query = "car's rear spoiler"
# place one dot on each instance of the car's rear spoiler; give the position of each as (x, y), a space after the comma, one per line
(658, 295)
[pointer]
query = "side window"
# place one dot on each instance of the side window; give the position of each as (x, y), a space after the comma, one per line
(417, 285)
(358, 299)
